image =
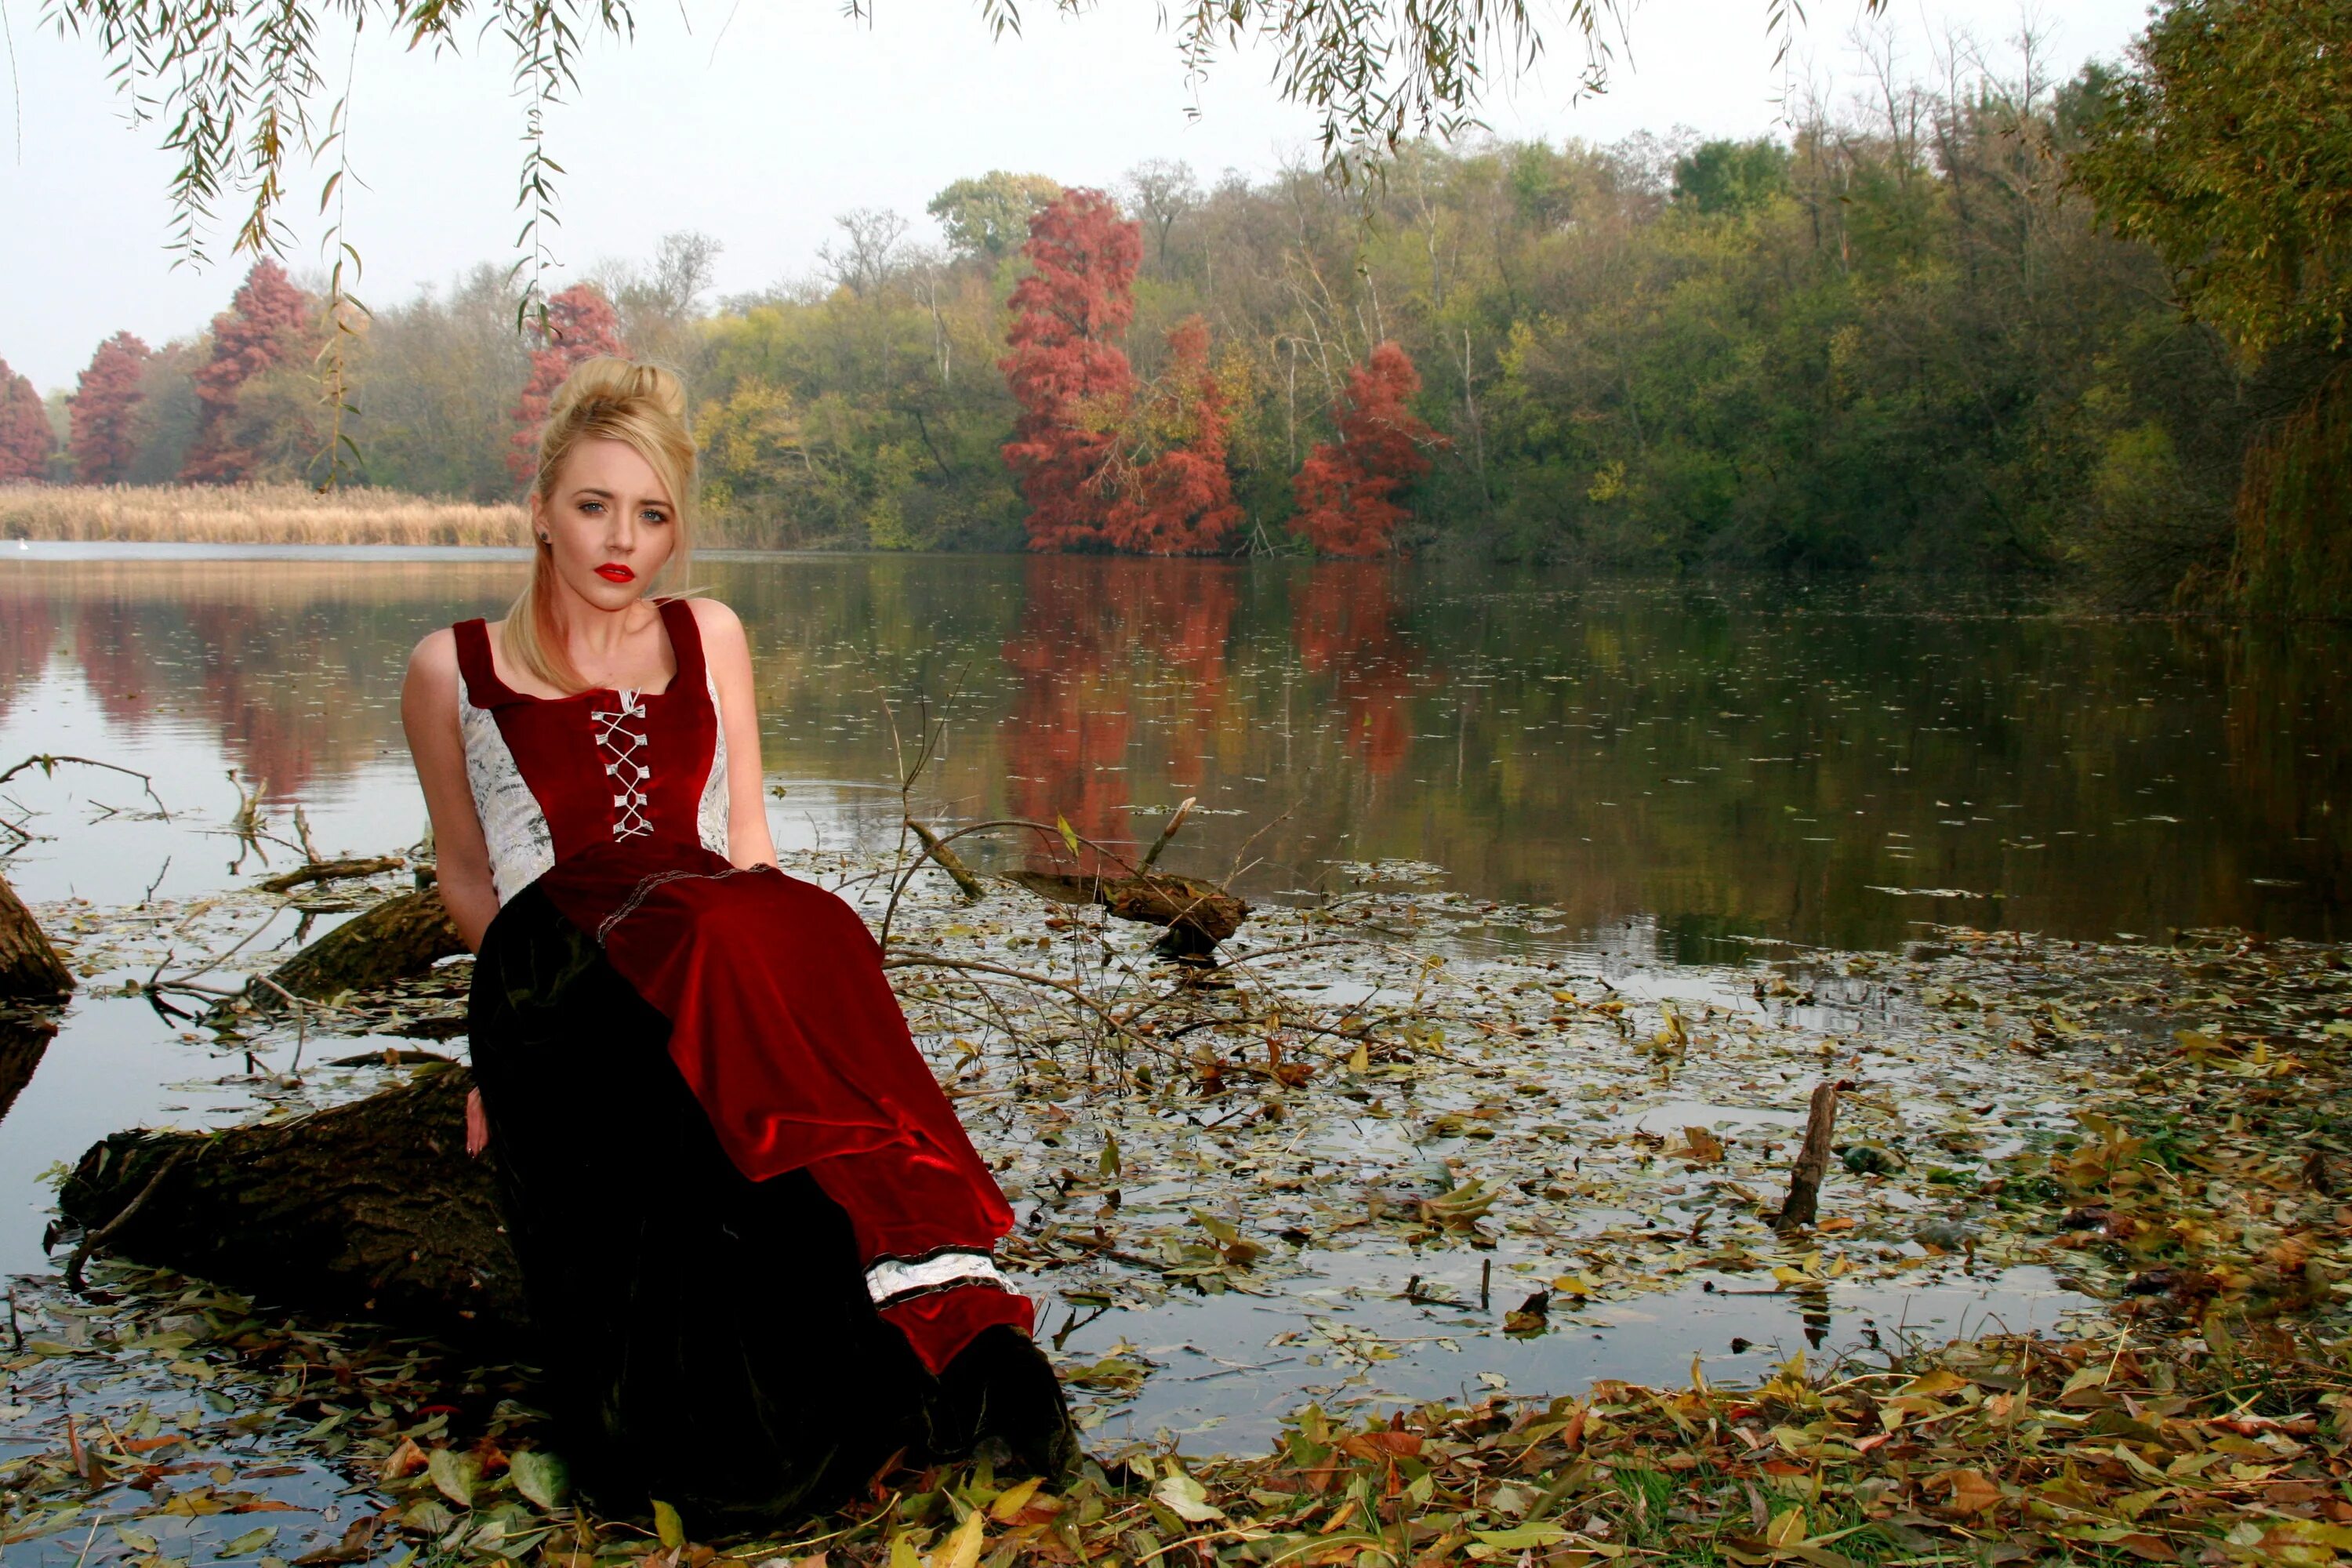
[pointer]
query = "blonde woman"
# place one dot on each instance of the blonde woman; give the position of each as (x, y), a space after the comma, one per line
(755, 1239)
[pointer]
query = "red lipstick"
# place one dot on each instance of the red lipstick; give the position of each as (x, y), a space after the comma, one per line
(613, 572)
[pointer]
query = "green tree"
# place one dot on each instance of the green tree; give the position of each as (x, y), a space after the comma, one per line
(988, 218)
(1731, 176)
(2227, 146)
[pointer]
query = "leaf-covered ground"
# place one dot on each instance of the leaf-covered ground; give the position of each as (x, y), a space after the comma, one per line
(1392, 1195)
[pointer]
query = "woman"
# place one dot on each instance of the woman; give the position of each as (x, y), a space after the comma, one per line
(754, 1237)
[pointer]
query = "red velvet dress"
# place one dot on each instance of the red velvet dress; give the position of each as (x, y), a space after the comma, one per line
(672, 1047)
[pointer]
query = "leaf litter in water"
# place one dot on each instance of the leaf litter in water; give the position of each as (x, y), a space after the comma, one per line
(1394, 1083)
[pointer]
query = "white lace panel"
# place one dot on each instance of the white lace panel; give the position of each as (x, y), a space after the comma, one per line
(710, 817)
(890, 1279)
(522, 848)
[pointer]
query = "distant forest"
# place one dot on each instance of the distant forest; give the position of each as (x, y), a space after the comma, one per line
(1905, 334)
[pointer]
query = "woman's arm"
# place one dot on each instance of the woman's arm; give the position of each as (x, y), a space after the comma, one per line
(428, 712)
(728, 652)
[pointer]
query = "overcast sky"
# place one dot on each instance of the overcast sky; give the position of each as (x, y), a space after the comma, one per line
(756, 122)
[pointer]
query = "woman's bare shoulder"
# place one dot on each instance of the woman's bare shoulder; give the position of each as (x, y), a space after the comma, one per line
(711, 615)
(435, 657)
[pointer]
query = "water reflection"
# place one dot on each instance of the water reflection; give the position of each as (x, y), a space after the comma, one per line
(1675, 765)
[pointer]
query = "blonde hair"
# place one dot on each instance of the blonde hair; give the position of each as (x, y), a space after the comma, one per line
(604, 399)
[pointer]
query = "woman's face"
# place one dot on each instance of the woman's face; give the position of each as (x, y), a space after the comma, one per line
(608, 521)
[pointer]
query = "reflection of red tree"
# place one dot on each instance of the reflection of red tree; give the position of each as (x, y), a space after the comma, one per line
(269, 737)
(1093, 632)
(114, 659)
(263, 731)
(27, 624)
(1344, 620)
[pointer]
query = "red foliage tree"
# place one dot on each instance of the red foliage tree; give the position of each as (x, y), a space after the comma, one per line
(1181, 501)
(104, 409)
(580, 325)
(25, 439)
(1346, 504)
(265, 325)
(1067, 369)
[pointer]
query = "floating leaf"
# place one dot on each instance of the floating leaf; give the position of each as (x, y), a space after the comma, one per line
(668, 1529)
(253, 1539)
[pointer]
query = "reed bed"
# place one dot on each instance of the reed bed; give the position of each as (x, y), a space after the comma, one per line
(250, 514)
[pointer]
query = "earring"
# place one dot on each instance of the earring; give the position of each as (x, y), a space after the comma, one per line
(544, 540)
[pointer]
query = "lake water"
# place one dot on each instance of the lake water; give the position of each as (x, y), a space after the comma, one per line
(1682, 776)
(1675, 766)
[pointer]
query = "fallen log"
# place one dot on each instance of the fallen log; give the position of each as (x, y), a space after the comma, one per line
(398, 939)
(30, 968)
(330, 871)
(1198, 915)
(371, 1210)
(969, 885)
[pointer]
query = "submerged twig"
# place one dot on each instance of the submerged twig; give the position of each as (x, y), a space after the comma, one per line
(48, 764)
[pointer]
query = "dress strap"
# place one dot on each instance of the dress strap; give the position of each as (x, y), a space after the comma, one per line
(685, 642)
(480, 671)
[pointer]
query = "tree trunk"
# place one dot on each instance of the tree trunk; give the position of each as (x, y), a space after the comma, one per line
(371, 1210)
(29, 967)
(400, 938)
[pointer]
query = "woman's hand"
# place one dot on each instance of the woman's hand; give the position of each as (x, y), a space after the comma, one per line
(477, 1124)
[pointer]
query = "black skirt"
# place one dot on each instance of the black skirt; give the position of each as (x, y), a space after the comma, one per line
(706, 1339)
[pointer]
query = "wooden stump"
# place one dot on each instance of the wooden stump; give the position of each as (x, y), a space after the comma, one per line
(30, 969)
(398, 939)
(1803, 1205)
(370, 1210)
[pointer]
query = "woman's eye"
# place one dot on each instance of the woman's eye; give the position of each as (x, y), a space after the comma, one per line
(589, 506)
(656, 517)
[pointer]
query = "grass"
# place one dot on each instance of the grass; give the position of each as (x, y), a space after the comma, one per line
(250, 514)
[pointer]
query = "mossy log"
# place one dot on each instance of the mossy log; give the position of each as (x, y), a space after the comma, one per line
(1198, 915)
(30, 969)
(368, 1210)
(398, 939)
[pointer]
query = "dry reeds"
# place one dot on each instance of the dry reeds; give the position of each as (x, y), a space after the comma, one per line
(250, 514)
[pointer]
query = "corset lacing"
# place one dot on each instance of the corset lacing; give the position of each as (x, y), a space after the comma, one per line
(620, 748)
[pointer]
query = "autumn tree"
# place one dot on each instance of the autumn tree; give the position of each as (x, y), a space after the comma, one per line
(580, 325)
(103, 437)
(263, 329)
(25, 436)
(1346, 492)
(1066, 371)
(1179, 501)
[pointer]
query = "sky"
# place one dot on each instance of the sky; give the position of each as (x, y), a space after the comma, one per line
(758, 122)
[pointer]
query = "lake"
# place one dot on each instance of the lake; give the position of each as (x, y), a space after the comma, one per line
(1676, 767)
(1679, 780)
